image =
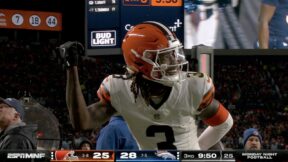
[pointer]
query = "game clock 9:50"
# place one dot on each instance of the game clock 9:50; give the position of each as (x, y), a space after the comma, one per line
(207, 155)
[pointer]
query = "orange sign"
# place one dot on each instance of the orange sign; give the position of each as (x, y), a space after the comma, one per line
(33, 20)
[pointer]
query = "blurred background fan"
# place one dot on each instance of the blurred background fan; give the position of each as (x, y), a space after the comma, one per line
(48, 132)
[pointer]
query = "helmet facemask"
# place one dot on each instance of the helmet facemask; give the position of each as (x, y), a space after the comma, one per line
(167, 64)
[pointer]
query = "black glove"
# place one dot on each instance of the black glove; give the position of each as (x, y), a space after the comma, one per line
(70, 51)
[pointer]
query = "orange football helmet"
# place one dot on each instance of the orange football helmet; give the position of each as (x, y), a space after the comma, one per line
(152, 49)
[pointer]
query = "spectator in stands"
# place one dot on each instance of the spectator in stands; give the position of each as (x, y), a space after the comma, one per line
(273, 26)
(77, 139)
(252, 140)
(85, 145)
(15, 133)
(115, 135)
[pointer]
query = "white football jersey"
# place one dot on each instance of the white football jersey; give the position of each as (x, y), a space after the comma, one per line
(172, 125)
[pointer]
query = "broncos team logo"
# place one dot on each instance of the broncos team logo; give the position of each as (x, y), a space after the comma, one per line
(165, 155)
(65, 155)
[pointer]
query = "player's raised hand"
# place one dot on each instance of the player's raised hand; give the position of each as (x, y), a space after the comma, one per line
(70, 52)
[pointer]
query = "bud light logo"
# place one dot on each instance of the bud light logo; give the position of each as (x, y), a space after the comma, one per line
(103, 38)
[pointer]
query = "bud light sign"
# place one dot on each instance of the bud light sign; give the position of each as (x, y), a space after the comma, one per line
(103, 38)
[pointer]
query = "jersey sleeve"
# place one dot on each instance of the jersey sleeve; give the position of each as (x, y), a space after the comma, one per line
(208, 93)
(213, 111)
(103, 91)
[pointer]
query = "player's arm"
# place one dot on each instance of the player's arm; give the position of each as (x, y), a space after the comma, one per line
(216, 116)
(266, 13)
(82, 117)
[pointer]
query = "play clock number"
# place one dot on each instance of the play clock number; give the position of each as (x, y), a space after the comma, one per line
(166, 3)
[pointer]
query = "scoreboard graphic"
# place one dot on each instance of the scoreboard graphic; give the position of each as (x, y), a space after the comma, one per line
(80, 155)
(144, 156)
(107, 21)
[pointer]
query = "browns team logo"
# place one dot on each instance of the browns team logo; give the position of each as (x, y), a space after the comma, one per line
(65, 155)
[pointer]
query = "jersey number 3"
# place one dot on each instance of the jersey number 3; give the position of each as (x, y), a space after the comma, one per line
(169, 134)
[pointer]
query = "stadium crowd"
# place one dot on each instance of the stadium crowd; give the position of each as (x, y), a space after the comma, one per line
(254, 89)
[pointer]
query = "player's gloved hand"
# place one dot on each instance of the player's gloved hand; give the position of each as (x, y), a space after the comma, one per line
(70, 52)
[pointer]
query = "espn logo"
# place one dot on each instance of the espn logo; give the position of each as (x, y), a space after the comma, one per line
(25, 155)
(103, 38)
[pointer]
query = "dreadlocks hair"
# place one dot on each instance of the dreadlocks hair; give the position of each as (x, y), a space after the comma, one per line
(141, 84)
(134, 88)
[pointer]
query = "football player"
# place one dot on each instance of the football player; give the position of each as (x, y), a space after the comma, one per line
(158, 98)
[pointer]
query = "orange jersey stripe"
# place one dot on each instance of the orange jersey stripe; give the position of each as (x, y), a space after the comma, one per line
(207, 99)
(219, 118)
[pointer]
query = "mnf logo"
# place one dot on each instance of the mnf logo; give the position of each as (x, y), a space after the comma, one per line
(25, 155)
(103, 38)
